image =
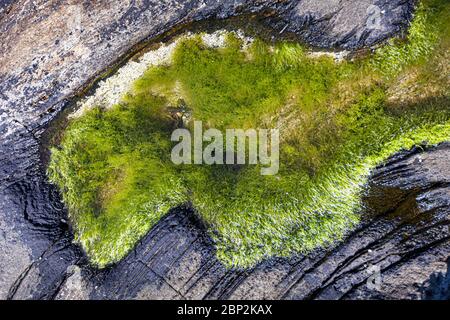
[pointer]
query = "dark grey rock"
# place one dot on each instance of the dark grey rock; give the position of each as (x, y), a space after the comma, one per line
(437, 287)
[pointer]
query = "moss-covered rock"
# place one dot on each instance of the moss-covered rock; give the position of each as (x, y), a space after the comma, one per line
(337, 122)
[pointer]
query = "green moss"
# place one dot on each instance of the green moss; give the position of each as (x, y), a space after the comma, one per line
(337, 122)
(430, 24)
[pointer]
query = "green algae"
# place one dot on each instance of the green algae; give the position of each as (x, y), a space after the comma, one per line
(337, 122)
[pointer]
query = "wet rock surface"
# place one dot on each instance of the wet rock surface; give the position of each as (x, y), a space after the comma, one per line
(49, 50)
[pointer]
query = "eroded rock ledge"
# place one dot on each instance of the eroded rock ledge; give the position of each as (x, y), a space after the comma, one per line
(51, 49)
